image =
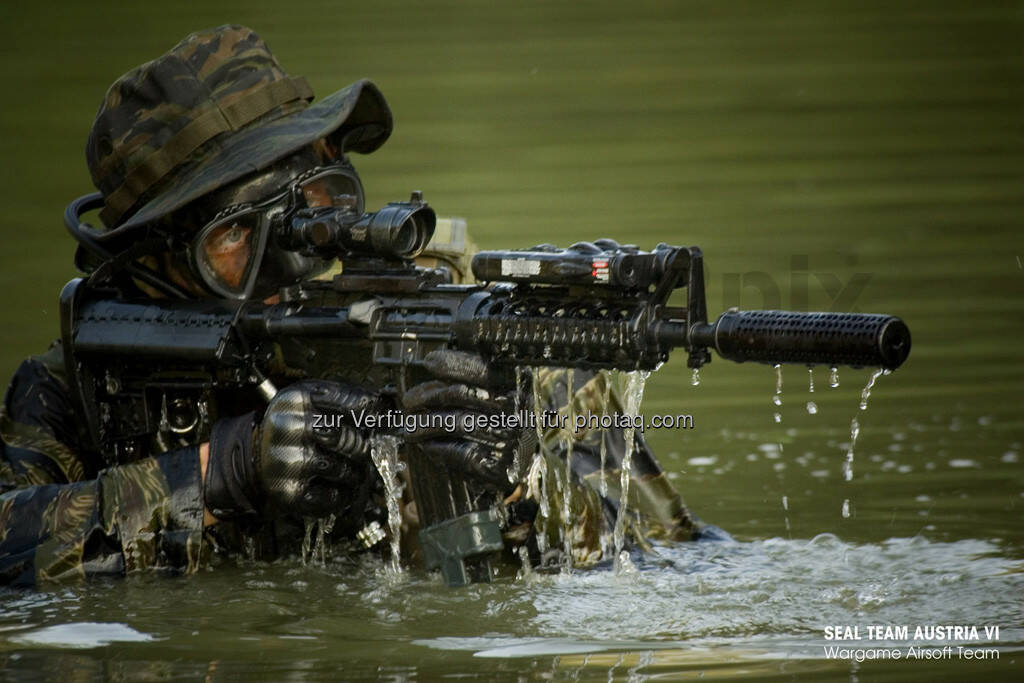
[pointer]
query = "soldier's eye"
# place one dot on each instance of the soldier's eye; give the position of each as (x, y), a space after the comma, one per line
(235, 235)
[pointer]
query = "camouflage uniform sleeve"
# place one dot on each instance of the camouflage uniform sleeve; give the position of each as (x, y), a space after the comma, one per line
(657, 509)
(60, 520)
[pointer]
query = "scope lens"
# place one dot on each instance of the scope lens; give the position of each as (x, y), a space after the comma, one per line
(403, 238)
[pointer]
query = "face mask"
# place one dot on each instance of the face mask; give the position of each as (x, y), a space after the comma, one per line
(237, 255)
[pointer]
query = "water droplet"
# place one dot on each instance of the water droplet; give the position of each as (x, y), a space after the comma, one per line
(833, 378)
(777, 398)
(846, 508)
(785, 503)
(866, 393)
(695, 377)
(810, 377)
(812, 408)
(848, 465)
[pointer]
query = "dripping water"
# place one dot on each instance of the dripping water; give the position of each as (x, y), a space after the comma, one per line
(855, 424)
(323, 527)
(384, 451)
(605, 405)
(777, 398)
(516, 468)
(537, 481)
(854, 433)
(307, 540)
(695, 377)
(833, 377)
(314, 541)
(866, 393)
(785, 507)
(633, 396)
(812, 407)
(568, 438)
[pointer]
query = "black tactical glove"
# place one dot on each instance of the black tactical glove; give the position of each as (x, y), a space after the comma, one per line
(304, 458)
(480, 403)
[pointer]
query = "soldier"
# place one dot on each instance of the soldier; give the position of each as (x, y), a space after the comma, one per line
(195, 153)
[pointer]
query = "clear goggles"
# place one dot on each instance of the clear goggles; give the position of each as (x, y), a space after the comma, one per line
(237, 255)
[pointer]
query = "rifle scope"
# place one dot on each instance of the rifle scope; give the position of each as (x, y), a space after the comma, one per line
(399, 230)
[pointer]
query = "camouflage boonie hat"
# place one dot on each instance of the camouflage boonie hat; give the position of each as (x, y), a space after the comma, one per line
(217, 107)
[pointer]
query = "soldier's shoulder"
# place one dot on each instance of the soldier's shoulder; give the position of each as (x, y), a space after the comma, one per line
(450, 247)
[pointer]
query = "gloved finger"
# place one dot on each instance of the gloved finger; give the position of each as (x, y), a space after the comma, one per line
(318, 499)
(458, 424)
(467, 368)
(314, 463)
(476, 460)
(342, 439)
(340, 399)
(437, 394)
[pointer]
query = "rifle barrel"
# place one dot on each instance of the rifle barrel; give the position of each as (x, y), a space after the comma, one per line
(857, 339)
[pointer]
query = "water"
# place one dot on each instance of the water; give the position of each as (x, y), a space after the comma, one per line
(568, 440)
(602, 486)
(384, 451)
(777, 397)
(795, 143)
(866, 393)
(537, 479)
(855, 423)
(632, 397)
(812, 407)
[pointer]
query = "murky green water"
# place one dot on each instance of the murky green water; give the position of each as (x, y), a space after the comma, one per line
(865, 156)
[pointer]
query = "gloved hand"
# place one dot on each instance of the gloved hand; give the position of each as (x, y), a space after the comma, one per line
(289, 461)
(469, 390)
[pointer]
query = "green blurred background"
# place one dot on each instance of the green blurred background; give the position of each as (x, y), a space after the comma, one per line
(799, 143)
(804, 145)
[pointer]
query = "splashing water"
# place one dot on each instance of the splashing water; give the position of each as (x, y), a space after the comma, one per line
(812, 407)
(777, 398)
(384, 451)
(634, 394)
(833, 378)
(695, 377)
(525, 569)
(316, 550)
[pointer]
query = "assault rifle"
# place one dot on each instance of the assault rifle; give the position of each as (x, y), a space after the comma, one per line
(155, 373)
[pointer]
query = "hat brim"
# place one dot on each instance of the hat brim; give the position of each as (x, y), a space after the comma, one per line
(357, 118)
